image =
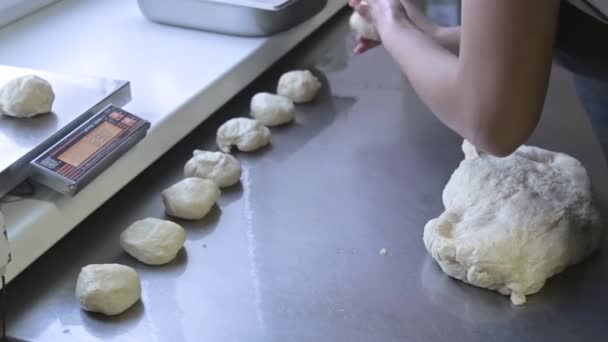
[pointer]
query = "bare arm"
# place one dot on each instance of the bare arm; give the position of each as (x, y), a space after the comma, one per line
(493, 93)
(446, 36)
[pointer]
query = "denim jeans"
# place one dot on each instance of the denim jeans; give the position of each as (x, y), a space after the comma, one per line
(593, 92)
(581, 48)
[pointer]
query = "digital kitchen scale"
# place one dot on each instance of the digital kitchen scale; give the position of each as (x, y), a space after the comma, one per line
(72, 163)
(237, 17)
(77, 99)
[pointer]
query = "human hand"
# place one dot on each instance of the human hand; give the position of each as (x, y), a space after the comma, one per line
(382, 14)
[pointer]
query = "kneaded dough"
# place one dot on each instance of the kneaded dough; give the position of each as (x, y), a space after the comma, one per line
(222, 168)
(272, 110)
(109, 289)
(511, 223)
(190, 199)
(26, 96)
(153, 241)
(363, 28)
(299, 85)
(246, 134)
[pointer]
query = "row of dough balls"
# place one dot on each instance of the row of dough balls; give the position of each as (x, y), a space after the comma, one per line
(113, 288)
(26, 96)
(298, 86)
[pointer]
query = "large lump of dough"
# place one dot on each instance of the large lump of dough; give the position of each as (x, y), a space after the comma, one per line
(190, 199)
(153, 241)
(109, 289)
(246, 134)
(301, 86)
(26, 96)
(511, 223)
(222, 168)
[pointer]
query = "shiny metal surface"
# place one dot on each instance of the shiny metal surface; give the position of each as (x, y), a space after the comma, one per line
(237, 17)
(76, 99)
(292, 253)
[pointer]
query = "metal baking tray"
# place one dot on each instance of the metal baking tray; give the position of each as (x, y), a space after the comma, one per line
(76, 100)
(235, 17)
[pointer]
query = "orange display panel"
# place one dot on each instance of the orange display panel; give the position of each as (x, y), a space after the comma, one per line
(91, 143)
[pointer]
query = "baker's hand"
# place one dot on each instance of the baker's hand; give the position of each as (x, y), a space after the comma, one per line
(383, 14)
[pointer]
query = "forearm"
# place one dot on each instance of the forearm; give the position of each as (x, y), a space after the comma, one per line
(433, 71)
(448, 37)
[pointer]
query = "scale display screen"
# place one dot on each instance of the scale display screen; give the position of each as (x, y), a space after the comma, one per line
(90, 143)
(79, 157)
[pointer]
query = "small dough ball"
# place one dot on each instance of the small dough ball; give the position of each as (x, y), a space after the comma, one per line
(300, 85)
(26, 96)
(272, 110)
(190, 199)
(247, 134)
(109, 289)
(153, 241)
(362, 27)
(222, 168)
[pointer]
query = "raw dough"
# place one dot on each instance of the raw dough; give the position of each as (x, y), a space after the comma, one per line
(247, 134)
(511, 223)
(190, 199)
(300, 85)
(272, 110)
(107, 288)
(363, 28)
(153, 241)
(222, 168)
(26, 96)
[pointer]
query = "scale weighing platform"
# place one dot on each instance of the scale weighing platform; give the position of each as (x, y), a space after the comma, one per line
(237, 17)
(82, 105)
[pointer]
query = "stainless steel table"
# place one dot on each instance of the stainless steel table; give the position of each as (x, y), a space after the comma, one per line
(291, 254)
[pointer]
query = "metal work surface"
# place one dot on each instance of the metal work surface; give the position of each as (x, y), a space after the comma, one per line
(76, 99)
(291, 254)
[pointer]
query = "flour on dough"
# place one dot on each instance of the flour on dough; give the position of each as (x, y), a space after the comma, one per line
(511, 223)
(299, 85)
(26, 96)
(246, 134)
(153, 241)
(191, 198)
(363, 28)
(222, 168)
(272, 110)
(109, 289)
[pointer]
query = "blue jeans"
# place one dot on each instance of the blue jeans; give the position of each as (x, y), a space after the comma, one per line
(580, 48)
(593, 92)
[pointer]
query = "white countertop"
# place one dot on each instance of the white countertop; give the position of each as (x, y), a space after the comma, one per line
(178, 79)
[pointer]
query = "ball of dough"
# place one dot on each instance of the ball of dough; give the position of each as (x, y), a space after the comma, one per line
(272, 110)
(221, 168)
(190, 199)
(246, 134)
(26, 96)
(363, 28)
(153, 241)
(511, 223)
(300, 85)
(109, 289)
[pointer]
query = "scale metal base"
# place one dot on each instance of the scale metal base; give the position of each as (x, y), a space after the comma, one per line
(76, 100)
(236, 17)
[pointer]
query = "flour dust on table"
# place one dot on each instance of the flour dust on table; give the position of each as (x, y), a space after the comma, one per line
(511, 223)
